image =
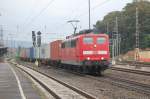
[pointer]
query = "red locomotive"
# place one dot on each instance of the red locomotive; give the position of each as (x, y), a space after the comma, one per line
(87, 52)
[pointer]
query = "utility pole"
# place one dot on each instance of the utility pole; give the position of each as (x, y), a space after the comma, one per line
(115, 39)
(44, 35)
(137, 36)
(89, 14)
(113, 49)
(137, 29)
(11, 44)
(117, 36)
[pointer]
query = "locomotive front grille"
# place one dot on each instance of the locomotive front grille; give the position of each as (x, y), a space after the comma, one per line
(91, 63)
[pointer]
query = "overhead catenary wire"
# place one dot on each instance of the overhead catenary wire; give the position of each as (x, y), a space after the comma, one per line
(65, 23)
(86, 13)
(35, 17)
(30, 15)
(93, 8)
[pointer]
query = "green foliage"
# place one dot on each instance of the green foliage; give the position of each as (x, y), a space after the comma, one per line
(127, 24)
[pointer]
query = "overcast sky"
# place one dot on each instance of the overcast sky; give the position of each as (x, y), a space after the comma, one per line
(20, 17)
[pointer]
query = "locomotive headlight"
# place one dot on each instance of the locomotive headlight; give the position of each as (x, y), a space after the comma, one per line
(95, 46)
(102, 58)
(88, 58)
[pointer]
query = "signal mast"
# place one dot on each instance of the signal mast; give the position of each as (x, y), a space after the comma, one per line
(137, 36)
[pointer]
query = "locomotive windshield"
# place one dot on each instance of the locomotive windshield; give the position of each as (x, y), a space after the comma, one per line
(101, 40)
(87, 40)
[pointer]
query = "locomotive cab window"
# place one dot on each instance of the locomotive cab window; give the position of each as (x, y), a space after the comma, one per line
(101, 40)
(88, 40)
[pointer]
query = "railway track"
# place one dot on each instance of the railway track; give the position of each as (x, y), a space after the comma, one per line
(120, 82)
(124, 83)
(135, 64)
(63, 93)
(131, 71)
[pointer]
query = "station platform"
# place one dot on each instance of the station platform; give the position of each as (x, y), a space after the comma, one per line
(15, 85)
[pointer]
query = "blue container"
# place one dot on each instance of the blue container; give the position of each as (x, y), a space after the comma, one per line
(31, 53)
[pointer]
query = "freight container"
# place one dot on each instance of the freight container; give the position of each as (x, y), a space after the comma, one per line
(24, 53)
(31, 53)
(21, 53)
(27, 52)
(36, 53)
(55, 52)
(18, 52)
(45, 51)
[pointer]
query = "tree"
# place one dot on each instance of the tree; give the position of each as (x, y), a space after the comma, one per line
(127, 22)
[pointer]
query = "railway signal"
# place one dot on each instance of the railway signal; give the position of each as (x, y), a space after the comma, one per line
(38, 38)
(34, 38)
(37, 44)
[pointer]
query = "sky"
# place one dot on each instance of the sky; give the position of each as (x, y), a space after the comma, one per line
(19, 18)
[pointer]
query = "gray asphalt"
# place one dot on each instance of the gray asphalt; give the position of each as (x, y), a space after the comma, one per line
(9, 87)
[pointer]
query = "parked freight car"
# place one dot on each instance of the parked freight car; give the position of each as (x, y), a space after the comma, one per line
(45, 53)
(31, 54)
(55, 52)
(23, 54)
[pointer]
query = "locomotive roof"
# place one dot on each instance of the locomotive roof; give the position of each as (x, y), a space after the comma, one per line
(84, 34)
